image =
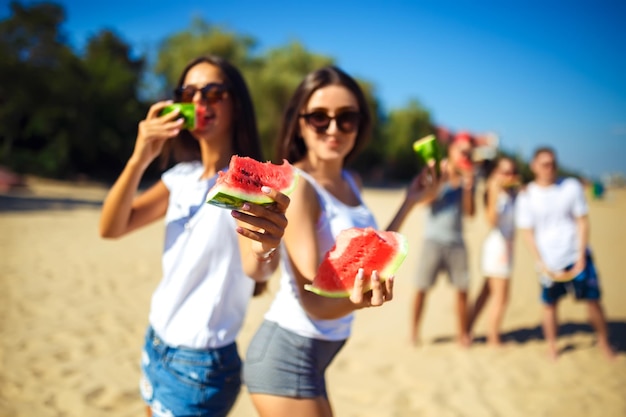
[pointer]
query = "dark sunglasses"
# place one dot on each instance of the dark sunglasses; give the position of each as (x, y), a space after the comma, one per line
(347, 121)
(211, 93)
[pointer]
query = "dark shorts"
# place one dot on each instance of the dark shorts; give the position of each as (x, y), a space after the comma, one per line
(282, 363)
(189, 382)
(584, 286)
(439, 257)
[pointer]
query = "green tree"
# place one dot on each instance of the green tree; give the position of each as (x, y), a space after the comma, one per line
(403, 127)
(272, 82)
(202, 38)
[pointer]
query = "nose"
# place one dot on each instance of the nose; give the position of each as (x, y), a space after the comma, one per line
(332, 126)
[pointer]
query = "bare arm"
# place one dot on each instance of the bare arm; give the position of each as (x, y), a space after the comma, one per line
(122, 212)
(302, 246)
(422, 190)
(582, 227)
(529, 237)
(491, 209)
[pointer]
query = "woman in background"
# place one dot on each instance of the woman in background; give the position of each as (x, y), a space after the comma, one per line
(497, 250)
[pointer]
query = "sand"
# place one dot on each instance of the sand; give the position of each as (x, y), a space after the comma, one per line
(73, 310)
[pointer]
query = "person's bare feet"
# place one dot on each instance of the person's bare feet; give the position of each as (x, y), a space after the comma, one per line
(464, 340)
(553, 353)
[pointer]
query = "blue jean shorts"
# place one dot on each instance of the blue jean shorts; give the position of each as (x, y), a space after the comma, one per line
(584, 286)
(189, 382)
(285, 364)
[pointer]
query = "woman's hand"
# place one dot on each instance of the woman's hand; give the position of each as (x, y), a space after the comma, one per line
(380, 292)
(153, 131)
(263, 224)
(425, 185)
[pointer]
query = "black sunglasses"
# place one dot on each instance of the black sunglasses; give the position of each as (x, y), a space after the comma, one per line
(347, 121)
(212, 93)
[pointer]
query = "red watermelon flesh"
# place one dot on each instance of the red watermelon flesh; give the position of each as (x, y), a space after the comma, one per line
(355, 248)
(244, 178)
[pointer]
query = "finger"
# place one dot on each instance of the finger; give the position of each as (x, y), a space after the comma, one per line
(156, 108)
(377, 290)
(389, 288)
(262, 217)
(357, 291)
(281, 200)
(267, 241)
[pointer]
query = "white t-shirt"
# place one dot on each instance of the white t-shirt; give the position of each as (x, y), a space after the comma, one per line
(286, 309)
(203, 295)
(552, 212)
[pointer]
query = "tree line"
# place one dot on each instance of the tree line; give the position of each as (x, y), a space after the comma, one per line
(68, 114)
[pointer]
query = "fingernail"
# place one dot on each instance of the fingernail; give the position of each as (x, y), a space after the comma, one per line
(235, 214)
(361, 274)
(245, 206)
(266, 189)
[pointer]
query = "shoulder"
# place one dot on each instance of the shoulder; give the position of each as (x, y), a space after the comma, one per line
(570, 183)
(354, 177)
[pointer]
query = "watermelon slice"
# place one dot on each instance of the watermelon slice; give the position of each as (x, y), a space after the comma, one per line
(187, 111)
(244, 178)
(356, 248)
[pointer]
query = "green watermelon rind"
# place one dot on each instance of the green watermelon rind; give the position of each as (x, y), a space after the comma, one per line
(391, 268)
(229, 198)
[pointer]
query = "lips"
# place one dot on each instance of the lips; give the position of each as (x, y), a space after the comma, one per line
(204, 116)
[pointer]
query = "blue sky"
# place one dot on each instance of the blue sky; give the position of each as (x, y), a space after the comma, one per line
(535, 72)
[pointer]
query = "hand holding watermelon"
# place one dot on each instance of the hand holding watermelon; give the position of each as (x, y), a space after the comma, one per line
(360, 261)
(153, 131)
(257, 194)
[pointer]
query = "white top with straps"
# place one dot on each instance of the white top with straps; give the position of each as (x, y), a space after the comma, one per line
(336, 216)
(203, 296)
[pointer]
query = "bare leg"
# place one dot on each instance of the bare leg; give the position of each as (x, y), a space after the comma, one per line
(418, 307)
(598, 321)
(478, 306)
(462, 313)
(550, 328)
(275, 406)
(499, 288)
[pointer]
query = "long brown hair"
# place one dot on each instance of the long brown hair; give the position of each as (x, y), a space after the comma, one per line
(290, 144)
(245, 138)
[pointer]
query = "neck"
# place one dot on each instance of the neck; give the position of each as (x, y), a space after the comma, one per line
(544, 182)
(215, 156)
(321, 170)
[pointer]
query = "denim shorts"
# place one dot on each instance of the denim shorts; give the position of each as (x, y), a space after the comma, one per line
(189, 382)
(282, 363)
(584, 286)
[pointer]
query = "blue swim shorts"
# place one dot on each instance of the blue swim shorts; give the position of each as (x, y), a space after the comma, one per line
(584, 286)
(189, 382)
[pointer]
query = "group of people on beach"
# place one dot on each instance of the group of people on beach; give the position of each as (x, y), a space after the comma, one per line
(190, 362)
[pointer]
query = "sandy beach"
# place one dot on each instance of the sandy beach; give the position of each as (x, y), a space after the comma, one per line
(74, 307)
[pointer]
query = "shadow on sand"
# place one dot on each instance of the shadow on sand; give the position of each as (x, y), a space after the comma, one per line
(617, 335)
(20, 202)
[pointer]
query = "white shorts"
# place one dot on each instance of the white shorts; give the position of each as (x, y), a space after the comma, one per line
(497, 256)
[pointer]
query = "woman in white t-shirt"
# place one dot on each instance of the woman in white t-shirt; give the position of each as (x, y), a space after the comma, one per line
(190, 364)
(326, 123)
(497, 249)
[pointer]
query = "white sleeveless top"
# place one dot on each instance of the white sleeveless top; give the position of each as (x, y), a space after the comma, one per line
(203, 296)
(336, 216)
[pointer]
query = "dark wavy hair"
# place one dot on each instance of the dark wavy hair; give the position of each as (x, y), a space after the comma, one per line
(245, 138)
(291, 145)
